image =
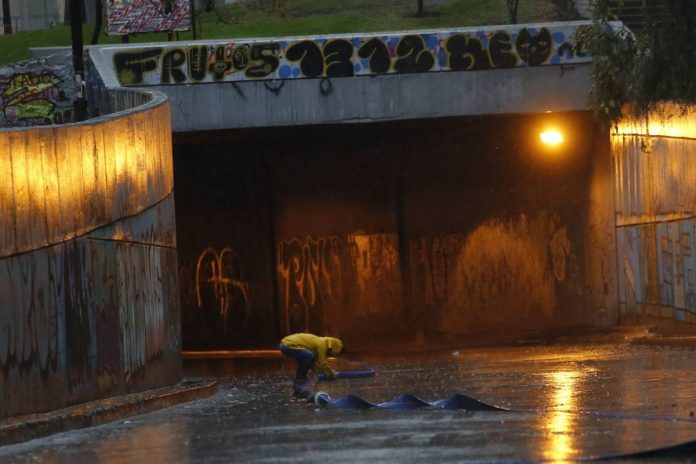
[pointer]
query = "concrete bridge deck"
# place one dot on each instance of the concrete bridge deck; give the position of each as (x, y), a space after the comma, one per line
(238, 83)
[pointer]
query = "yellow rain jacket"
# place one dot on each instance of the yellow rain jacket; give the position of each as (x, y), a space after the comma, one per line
(317, 345)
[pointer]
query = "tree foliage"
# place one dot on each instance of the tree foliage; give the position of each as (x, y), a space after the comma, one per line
(634, 72)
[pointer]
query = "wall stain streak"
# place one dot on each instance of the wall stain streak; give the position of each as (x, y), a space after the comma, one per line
(504, 271)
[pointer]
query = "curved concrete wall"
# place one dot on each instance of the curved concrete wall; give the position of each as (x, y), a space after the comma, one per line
(655, 185)
(88, 291)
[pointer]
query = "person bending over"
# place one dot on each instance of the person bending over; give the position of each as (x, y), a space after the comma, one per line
(311, 352)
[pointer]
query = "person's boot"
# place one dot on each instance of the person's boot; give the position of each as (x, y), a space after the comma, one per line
(299, 388)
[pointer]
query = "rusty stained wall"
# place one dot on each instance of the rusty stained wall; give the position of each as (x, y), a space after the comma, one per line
(656, 231)
(88, 288)
(374, 230)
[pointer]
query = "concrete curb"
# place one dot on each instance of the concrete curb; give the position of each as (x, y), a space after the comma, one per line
(686, 341)
(27, 427)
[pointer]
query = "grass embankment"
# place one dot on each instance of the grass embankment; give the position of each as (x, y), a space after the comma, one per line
(307, 17)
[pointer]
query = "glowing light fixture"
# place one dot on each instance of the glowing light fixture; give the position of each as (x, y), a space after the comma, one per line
(551, 137)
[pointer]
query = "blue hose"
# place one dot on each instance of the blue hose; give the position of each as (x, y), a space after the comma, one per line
(348, 375)
(403, 402)
(458, 401)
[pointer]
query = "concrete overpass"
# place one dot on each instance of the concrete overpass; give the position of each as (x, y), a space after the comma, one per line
(232, 84)
(365, 186)
(379, 184)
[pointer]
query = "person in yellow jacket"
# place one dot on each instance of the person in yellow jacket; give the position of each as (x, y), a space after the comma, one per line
(311, 352)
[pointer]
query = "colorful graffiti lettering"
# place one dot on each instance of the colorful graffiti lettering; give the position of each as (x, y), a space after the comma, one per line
(34, 98)
(137, 16)
(456, 50)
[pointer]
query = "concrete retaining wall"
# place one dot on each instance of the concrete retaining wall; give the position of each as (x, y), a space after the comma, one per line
(655, 183)
(88, 289)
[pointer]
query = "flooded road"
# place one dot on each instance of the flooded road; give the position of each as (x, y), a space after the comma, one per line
(567, 402)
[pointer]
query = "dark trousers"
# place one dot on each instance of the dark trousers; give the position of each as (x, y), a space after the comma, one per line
(304, 358)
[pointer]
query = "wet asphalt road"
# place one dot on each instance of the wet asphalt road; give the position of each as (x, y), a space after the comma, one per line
(568, 401)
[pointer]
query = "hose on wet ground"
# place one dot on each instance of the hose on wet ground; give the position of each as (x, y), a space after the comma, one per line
(459, 401)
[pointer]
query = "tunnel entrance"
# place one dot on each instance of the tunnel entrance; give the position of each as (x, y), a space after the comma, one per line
(449, 227)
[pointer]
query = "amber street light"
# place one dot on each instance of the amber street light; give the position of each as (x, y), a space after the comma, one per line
(551, 137)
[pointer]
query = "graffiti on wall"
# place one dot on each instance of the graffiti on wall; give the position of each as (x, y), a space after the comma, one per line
(375, 258)
(311, 274)
(220, 286)
(138, 16)
(433, 261)
(326, 275)
(505, 270)
(656, 231)
(657, 267)
(32, 295)
(336, 56)
(34, 98)
(139, 277)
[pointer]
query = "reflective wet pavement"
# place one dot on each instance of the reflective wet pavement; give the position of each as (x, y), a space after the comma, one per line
(568, 401)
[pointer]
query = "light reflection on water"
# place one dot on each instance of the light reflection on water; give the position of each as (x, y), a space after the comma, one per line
(164, 443)
(560, 425)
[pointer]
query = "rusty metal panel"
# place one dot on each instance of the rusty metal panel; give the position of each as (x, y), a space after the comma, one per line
(655, 193)
(655, 178)
(657, 269)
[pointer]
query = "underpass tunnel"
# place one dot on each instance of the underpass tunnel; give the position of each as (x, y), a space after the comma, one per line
(461, 228)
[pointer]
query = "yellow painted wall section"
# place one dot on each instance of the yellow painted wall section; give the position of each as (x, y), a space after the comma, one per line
(60, 182)
(655, 191)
